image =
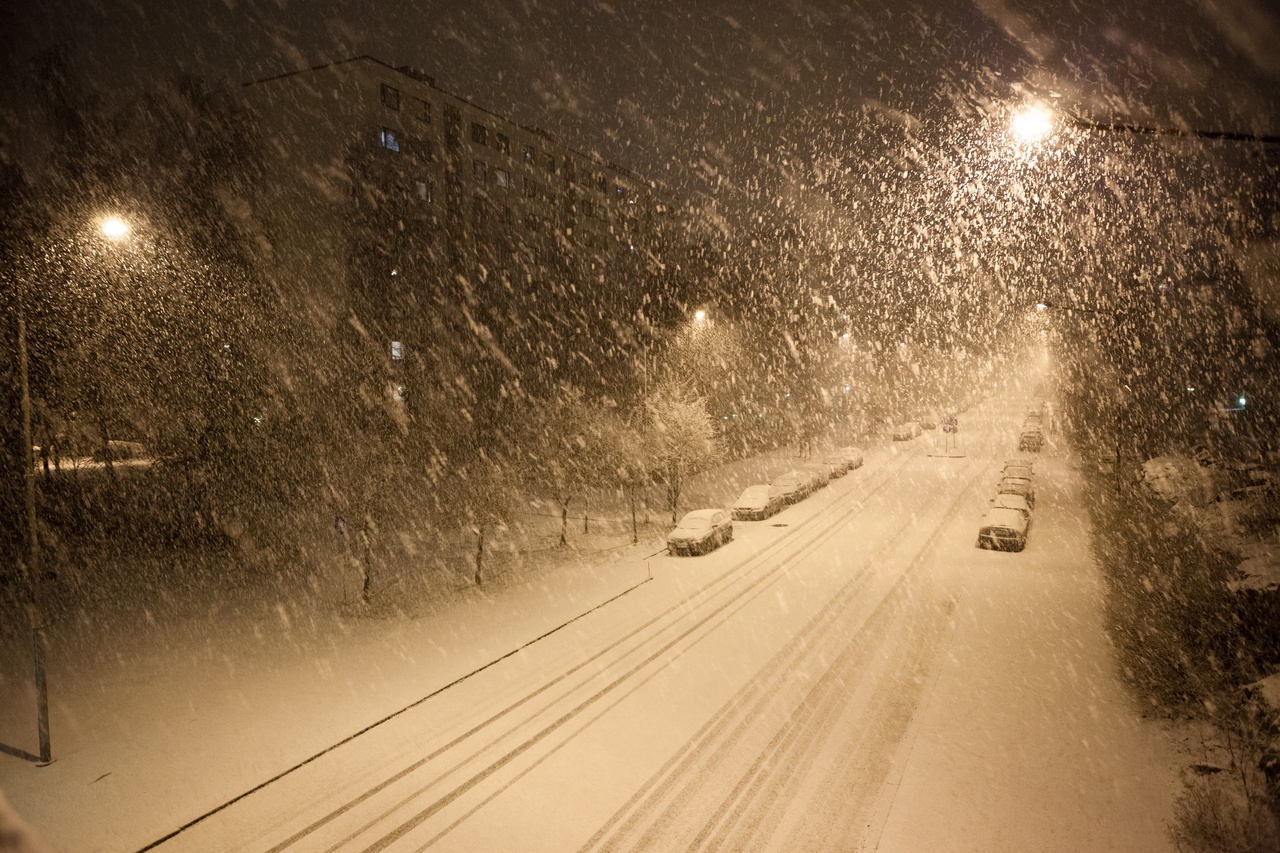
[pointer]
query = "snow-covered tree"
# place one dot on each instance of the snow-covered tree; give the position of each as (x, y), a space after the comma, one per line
(681, 437)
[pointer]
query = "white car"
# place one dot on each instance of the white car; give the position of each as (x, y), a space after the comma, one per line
(795, 484)
(1023, 471)
(1012, 501)
(757, 503)
(853, 454)
(906, 432)
(700, 531)
(1003, 530)
(1018, 486)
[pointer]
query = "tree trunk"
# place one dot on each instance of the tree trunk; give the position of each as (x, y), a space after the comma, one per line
(673, 495)
(564, 524)
(479, 553)
(366, 567)
(635, 532)
(584, 518)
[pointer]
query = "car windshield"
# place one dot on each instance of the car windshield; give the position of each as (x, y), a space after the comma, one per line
(360, 362)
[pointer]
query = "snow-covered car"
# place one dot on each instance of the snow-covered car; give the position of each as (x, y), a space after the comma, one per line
(838, 463)
(906, 431)
(1030, 440)
(700, 531)
(797, 484)
(759, 502)
(1007, 500)
(853, 454)
(1003, 530)
(928, 422)
(1021, 461)
(1018, 486)
(1023, 471)
(821, 471)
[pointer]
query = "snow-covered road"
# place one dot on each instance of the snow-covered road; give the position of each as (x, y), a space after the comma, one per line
(852, 674)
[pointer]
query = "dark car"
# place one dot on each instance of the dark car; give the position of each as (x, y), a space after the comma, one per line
(700, 531)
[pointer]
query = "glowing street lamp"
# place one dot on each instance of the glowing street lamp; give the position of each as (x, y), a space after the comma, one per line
(1032, 124)
(115, 228)
(700, 315)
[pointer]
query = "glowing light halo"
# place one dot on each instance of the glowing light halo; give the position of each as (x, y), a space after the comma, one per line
(115, 228)
(1032, 124)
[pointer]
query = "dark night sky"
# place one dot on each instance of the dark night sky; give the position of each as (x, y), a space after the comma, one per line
(674, 89)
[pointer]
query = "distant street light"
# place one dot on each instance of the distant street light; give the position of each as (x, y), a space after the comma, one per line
(699, 315)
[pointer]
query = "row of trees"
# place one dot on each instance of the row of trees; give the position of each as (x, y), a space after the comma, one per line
(530, 366)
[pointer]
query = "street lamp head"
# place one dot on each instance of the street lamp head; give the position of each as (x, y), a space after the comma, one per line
(115, 228)
(699, 315)
(1032, 124)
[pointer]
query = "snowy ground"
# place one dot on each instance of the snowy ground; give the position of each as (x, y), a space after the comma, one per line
(859, 678)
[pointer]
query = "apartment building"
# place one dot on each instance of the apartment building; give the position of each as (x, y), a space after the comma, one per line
(391, 197)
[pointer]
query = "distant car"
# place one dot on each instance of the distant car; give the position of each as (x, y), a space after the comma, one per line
(819, 474)
(906, 432)
(928, 422)
(796, 485)
(1031, 440)
(1003, 530)
(1014, 502)
(1023, 471)
(1018, 486)
(757, 503)
(838, 463)
(700, 531)
(1021, 462)
(853, 454)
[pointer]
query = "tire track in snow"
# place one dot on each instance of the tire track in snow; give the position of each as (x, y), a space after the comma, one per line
(679, 789)
(871, 483)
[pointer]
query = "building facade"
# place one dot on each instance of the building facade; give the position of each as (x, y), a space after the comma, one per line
(442, 229)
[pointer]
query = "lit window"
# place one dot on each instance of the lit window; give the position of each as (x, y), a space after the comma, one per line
(389, 140)
(398, 393)
(390, 97)
(397, 350)
(423, 189)
(502, 177)
(479, 133)
(529, 153)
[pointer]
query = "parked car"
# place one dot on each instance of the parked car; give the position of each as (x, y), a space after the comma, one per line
(759, 502)
(1030, 440)
(853, 454)
(819, 474)
(1023, 471)
(1022, 462)
(838, 463)
(1018, 486)
(700, 531)
(1003, 530)
(906, 432)
(928, 422)
(1014, 502)
(795, 485)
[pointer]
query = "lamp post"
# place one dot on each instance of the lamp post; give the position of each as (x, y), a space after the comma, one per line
(114, 228)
